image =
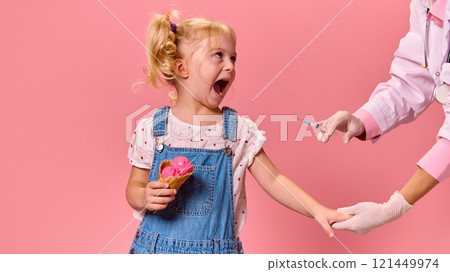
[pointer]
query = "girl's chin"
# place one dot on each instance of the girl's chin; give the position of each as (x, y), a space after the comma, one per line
(214, 104)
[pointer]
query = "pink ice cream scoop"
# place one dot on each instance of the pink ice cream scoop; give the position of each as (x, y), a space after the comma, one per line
(182, 165)
(170, 171)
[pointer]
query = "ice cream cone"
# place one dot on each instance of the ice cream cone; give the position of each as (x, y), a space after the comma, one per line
(174, 182)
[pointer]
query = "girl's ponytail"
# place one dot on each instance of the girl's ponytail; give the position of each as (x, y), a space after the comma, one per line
(161, 46)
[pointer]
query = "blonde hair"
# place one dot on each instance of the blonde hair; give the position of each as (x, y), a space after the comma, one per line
(162, 43)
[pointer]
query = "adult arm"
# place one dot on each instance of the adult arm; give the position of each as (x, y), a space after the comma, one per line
(370, 215)
(399, 100)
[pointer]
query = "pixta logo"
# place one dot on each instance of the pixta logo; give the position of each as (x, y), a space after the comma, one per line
(284, 120)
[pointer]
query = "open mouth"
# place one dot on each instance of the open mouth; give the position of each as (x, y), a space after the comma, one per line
(220, 86)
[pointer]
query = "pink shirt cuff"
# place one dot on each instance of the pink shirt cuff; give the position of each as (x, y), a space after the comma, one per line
(370, 124)
(436, 161)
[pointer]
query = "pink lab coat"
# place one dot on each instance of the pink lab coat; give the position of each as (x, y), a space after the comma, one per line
(410, 90)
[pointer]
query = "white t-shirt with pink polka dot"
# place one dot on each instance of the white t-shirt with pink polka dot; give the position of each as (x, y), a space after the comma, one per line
(180, 134)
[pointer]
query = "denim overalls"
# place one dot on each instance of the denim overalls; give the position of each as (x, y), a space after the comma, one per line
(201, 218)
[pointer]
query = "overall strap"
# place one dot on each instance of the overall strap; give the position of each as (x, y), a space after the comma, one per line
(160, 121)
(229, 123)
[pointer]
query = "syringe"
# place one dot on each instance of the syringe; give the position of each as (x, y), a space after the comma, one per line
(322, 129)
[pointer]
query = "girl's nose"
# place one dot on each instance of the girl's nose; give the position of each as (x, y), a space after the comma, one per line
(229, 66)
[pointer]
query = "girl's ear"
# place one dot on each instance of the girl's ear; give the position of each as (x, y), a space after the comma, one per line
(181, 69)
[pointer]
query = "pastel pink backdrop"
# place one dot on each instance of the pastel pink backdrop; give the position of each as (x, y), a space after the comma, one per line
(67, 69)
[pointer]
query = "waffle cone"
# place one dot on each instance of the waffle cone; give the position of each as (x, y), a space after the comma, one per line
(174, 182)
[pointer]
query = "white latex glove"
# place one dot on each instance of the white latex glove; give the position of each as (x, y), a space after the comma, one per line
(343, 121)
(370, 215)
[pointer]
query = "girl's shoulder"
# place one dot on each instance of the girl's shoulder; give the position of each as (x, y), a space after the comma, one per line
(143, 131)
(245, 122)
(145, 123)
(247, 128)
(140, 152)
(250, 140)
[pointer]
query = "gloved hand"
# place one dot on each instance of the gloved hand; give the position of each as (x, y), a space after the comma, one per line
(343, 121)
(369, 215)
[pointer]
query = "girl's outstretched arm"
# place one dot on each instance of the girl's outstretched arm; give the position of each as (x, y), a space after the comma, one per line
(289, 194)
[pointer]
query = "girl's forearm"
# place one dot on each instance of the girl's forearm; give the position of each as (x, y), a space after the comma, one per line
(135, 194)
(418, 186)
(281, 188)
(290, 195)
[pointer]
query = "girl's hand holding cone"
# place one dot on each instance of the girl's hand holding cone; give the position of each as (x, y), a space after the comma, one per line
(172, 174)
(158, 194)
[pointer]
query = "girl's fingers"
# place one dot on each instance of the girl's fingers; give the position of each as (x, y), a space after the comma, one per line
(162, 192)
(343, 217)
(326, 219)
(327, 228)
(156, 207)
(158, 195)
(157, 185)
(160, 200)
(159, 188)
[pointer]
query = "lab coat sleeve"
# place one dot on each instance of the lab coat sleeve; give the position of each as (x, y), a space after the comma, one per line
(410, 90)
(436, 161)
(407, 94)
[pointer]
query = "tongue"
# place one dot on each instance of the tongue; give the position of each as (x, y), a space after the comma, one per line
(218, 87)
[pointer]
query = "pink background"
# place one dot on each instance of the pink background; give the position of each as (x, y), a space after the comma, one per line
(66, 74)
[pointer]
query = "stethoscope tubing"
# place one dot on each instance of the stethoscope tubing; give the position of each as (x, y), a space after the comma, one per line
(440, 93)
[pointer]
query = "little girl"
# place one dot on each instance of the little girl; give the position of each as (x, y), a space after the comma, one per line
(207, 213)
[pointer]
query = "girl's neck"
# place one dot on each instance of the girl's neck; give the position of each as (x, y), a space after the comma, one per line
(186, 112)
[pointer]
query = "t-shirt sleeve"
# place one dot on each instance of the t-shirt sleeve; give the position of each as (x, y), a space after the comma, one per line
(141, 149)
(251, 139)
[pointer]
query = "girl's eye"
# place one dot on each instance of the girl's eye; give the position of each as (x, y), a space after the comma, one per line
(219, 55)
(233, 59)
